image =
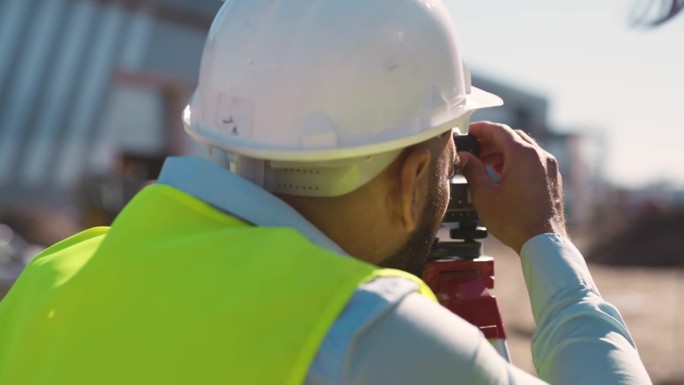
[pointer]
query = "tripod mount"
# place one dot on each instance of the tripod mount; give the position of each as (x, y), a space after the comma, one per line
(457, 272)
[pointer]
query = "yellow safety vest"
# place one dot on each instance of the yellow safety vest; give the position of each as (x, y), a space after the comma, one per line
(175, 292)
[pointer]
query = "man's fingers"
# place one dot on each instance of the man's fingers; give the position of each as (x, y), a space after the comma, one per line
(493, 160)
(495, 136)
(526, 137)
(474, 171)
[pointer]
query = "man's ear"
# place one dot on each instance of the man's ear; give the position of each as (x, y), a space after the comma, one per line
(413, 185)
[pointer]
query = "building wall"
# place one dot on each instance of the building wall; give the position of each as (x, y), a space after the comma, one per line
(63, 70)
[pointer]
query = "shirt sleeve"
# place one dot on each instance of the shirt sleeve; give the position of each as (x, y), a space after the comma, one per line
(421, 342)
(580, 338)
(407, 339)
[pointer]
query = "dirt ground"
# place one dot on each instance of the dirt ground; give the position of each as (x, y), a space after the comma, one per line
(650, 301)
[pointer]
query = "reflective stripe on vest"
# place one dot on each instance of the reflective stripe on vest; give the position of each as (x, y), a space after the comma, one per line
(176, 292)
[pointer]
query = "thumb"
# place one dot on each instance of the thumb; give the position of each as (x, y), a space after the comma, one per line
(474, 171)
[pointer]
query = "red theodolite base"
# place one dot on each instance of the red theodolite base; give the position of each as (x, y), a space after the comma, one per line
(462, 286)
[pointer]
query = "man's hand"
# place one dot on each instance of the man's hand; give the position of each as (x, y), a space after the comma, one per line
(528, 198)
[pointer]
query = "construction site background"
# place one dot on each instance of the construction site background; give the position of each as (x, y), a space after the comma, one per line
(91, 94)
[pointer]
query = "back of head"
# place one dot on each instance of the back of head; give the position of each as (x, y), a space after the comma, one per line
(317, 97)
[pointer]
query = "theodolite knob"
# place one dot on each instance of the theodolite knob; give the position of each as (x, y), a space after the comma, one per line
(477, 232)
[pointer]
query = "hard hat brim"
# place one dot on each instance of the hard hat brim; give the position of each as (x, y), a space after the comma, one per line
(482, 99)
(477, 99)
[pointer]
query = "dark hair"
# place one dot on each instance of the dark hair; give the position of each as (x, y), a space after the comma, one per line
(666, 10)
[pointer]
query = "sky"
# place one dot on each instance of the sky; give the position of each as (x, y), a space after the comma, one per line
(620, 85)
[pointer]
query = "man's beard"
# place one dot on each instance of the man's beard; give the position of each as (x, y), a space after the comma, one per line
(413, 256)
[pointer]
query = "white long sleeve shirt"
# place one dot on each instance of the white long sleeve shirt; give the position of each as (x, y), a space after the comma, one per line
(389, 334)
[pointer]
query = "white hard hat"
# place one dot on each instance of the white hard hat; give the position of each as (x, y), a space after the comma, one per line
(323, 80)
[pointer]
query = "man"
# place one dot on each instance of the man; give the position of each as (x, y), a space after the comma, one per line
(337, 118)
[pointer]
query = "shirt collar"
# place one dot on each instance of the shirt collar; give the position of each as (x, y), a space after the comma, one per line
(237, 196)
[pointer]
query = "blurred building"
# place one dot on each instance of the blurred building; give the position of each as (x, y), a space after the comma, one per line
(88, 87)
